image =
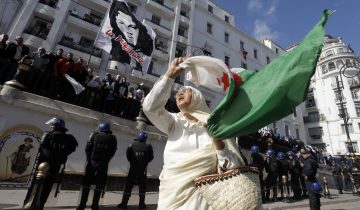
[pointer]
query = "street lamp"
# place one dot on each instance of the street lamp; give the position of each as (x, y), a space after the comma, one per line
(343, 115)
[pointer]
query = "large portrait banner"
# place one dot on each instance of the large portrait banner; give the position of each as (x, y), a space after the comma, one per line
(19, 146)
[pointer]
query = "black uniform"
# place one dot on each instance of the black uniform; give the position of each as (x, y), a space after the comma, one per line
(346, 176)
(99, 150)
(283, 171)
(309, 173)
(272, 169)
(139, 154)
(295, 172)
(54, 149)
(257, 160)
(336, 172)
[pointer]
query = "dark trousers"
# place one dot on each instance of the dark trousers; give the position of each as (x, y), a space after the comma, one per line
(271, 182)
(303, 185)
(338, 182)
(314, 198)
(295, 185)
(135, 176)
(347, 183)
(95, 173)
(49, 182)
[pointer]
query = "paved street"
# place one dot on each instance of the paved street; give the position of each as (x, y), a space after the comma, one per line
(12, 199)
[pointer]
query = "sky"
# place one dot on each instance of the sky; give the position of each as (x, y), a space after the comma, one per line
(286, 22)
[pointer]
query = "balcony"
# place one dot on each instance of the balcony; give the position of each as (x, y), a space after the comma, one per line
(186, 3)
(161, 56)
(83, 25)
(32, 40)
(99, 5)
(157, 7)
(159, 29)
(68, 42)
(46, 11)
(184, 20)
(182, 39)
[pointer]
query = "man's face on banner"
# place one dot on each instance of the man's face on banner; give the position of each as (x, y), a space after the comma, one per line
(128, 27)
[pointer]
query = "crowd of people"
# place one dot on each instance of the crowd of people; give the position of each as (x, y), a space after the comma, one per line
(47, 74)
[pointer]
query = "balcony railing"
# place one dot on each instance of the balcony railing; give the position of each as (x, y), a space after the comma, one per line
(162, 4)
(67, 42)
(50, 3)
(88, 18)
(154, 22)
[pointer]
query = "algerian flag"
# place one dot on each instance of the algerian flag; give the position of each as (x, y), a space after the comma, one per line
(269, 94)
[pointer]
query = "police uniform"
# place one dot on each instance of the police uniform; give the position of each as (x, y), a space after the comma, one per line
(295, 172)
(139, 154)
(257, 160)
(309, 174)
(99, 150)
(272, 169)
(283, 171)
(336, 172)
(54, 149)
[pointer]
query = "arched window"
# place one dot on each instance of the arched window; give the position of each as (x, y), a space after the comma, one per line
(331, 66)
(339, 64)
(340, 50)
(329, 53)
(323, 69)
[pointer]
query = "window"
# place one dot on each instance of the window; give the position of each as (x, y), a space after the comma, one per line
(267, 60)
(255, 54)
(339, 64)
(155, 19)
(277, 51)
(354, 93)
(350, 128)
(287, 131)
(209, 28)
(340, 50)
(182, 31)
(226, 18)
(39, 27)
(329, 53)
(341, 114)
(331, 66)
(86, 42)
(210, 8)
(226, 37)
(183, 13)
(227, 60)
(297, 133)
(324, 69)
(294, 111)
(243, 65)
(310, 102)
(316, 132)
(313, 116)
(242, 45)
(338, 96)
(357, 108)
(179, 52)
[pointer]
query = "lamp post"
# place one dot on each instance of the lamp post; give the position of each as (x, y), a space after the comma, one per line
(343, 115)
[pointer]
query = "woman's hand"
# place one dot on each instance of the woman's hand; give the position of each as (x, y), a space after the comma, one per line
(174, 70)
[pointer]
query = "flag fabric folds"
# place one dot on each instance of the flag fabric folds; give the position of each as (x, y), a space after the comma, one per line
(124, 37)
(269, 94)
(78, 88)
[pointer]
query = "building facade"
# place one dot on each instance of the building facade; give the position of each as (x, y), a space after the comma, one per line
(324, 125)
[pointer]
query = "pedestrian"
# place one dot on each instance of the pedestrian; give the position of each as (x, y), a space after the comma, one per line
(139, 154)
(295, 172)
(55, 147)
(256, 160)
(272, 170)
(337, 175)
(310, 167)
(346, 176)
(99, 150)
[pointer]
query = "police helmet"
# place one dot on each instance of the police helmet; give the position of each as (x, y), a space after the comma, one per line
(57, 122)
(290, 153)
(254, 149)
(142, 137)
(316, 187)
(281, 155)
(270, 152)
(104, 127)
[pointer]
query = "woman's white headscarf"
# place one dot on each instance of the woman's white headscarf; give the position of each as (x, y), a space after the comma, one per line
(198, 107)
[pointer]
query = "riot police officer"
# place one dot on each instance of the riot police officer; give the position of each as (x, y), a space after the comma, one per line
(337, 175)
(310, 167)
(54, 149)
(283, 171)
(272, 170)
(139, 154)
(256, 160)
(295, 172)
(99, 150)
